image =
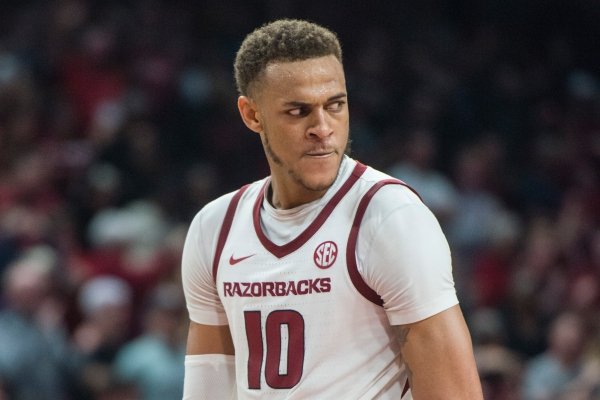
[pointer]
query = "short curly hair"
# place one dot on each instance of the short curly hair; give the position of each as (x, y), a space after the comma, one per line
(281, 40)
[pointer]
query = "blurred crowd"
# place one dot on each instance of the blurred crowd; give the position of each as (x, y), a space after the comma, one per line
(118, 123)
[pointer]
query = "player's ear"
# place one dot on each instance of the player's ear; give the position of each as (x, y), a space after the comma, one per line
(249, 113)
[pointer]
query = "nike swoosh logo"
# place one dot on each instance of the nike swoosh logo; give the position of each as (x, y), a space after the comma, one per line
(233, 261)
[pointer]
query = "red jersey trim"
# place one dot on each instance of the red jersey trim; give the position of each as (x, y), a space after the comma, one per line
(405, 390)
(295, 244)
(355, 276)
(225, 228)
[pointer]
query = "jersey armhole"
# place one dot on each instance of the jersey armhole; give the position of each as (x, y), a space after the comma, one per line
(225, 228)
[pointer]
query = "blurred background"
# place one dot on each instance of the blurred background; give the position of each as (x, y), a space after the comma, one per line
(118, 123)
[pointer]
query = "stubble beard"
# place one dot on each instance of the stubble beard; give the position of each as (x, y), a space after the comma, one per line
(297, 178)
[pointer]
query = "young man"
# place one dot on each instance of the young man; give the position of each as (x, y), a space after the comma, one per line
(327, 279)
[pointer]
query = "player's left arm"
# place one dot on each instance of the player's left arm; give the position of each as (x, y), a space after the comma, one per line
(439, 356)
(406, 259)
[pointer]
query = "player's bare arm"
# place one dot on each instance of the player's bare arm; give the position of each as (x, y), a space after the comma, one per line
(209, 363)
(439, 357)
(209, 339)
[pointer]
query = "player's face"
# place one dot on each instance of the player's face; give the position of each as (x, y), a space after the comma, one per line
(302, 117)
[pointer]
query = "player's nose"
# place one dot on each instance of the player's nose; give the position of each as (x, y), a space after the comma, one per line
(320, 124)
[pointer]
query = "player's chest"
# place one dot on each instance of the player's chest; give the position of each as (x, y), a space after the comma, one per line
(249, 269)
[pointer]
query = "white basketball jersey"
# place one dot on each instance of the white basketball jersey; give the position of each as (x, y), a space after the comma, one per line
(304, 323)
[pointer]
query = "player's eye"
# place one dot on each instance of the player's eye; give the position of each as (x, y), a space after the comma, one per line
(298, 112)
(336, 106)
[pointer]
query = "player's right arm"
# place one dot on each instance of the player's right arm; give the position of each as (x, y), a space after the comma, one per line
(209, 361)
(209, 339)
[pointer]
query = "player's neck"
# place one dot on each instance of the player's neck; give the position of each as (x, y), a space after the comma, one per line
(284, 198)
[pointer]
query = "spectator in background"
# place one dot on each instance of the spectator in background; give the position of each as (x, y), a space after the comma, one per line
(153, 362)
(416, 168)
(548, 375)
(538, 287)
(477, 205)
(478, 214)
(499, 366)
(36, 361)
(128, 242)
(106, 304)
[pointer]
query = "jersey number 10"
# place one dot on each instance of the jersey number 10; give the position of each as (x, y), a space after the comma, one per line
(284, 335)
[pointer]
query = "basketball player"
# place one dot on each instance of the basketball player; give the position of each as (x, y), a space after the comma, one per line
(327, 279)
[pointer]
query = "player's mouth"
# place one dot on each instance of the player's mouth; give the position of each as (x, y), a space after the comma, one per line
(320, 153)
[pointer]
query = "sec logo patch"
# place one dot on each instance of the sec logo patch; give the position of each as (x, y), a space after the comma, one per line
(325, 254)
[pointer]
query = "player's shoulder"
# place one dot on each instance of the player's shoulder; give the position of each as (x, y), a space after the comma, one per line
(393, 205)
(386, 191)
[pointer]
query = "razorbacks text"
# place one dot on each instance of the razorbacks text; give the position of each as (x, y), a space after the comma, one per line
(277, 289)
